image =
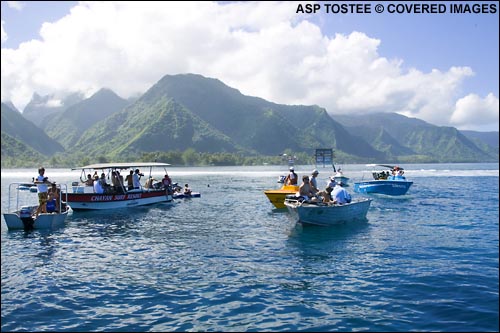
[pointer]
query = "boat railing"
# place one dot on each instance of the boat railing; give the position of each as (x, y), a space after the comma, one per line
(16, 186)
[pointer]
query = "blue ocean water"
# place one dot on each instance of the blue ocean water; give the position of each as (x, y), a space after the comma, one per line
(229, 261)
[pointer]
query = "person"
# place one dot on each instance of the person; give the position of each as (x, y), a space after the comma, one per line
(331, 182)
(305, 189)
(89, 181)
(42, 189)
(149, 182)
(326, 194)
(130, 180)
(54, 196)
(137, 178)
(98, 185)
(340, 195)
(313, 180)
(103, 180)
(187, 190)
(291, 178)
(166, 181)
(117, 181)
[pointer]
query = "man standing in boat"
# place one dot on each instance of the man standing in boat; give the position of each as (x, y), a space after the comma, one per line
(42, 189)
(137, 179)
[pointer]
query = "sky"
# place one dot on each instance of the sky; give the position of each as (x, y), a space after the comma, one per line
(440, 67)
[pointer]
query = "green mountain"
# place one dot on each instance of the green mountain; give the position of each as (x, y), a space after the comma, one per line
(489, 138)
(203, 115)
(68, 125)
(409, 139)
(256, 124)
(15, 151)
(151, 125)
(25, 132)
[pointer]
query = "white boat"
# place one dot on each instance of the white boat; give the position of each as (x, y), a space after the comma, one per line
(22, 214)
(340, 178)
(83, 197)
(327, 214)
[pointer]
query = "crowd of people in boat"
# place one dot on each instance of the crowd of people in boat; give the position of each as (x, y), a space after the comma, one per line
(133, 182)
(396, 173)
(334, 192)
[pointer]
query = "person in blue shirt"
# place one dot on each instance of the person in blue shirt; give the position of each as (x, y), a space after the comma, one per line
(340, 195)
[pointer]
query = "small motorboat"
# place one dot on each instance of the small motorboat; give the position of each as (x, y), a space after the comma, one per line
(319, 213)
(385, 182)
(277, 196)
(180, 195)
(24, 216)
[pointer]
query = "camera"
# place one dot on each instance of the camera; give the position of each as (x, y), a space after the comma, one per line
(45, 179)
(141, 174)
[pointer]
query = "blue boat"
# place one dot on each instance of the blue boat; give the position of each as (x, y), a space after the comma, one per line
(393, 183)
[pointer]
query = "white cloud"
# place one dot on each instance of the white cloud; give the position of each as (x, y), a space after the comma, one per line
(472, 112)
(263, 49)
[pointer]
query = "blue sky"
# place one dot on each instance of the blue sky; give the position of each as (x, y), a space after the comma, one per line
(442, 68)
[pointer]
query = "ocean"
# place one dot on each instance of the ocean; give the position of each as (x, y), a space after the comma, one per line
(229, 261)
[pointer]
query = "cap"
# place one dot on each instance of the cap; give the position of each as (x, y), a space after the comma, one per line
(291, 169)
(315, 171)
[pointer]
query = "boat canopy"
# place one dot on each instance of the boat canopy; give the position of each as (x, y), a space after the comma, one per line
(391, 166)
(125, 165)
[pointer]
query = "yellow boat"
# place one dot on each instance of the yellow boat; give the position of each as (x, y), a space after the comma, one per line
(277, 197)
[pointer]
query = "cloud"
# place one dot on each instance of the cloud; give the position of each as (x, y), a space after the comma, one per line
(263, 49)
(472, 112)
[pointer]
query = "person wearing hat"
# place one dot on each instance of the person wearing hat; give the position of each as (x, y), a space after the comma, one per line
(291, 178)
(313, 180)
(340, 195)
(331, 182)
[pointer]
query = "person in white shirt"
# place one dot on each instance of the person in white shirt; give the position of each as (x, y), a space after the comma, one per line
(137, 178)
(98, 186)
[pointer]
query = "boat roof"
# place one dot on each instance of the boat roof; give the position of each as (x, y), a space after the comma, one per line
(124, 165)
(390, 166)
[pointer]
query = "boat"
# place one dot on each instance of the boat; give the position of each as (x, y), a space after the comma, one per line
(385, 182)
(21, 216)
(340, 178)
(325, 214)
(186, 196)
(83, 197)
(277, 196)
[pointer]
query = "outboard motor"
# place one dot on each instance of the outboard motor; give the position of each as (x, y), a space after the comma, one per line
(25, 216)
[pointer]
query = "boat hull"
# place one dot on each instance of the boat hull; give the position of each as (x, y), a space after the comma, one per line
(43, 221)
(323, 214)
(91, 201)
(183, 196)
(388, 187)
(277, 197)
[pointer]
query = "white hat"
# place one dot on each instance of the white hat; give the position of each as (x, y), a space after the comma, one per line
(291, 168)
(315, 171)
